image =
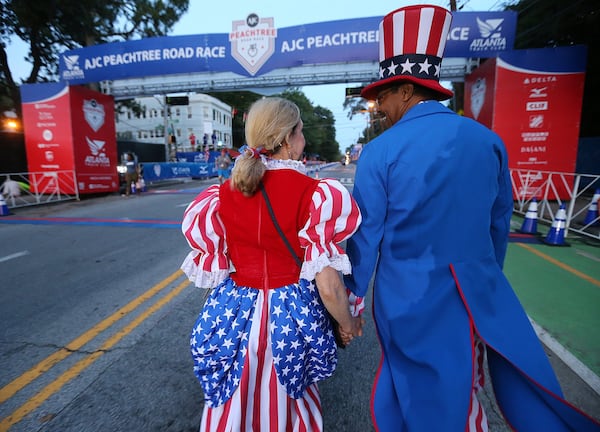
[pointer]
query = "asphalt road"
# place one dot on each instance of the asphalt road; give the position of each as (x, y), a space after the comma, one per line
(95, 320)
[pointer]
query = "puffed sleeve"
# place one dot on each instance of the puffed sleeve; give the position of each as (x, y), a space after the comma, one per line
(333, 217)
(207, 264)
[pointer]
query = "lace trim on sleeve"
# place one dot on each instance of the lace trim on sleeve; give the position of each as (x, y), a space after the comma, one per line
(199, 277)
(339, 262)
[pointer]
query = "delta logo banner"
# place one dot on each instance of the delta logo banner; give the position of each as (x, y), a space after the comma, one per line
(69, 130)
(48, 138)
(256, 46)
(533, 100)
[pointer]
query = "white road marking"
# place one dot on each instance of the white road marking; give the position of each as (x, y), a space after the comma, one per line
(585, 373)
(15, 255)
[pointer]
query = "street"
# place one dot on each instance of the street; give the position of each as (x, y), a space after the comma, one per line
(96, 318)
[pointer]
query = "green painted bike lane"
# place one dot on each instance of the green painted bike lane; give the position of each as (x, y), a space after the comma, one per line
(559, 288)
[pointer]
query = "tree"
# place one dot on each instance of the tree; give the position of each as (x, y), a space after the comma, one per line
(552, 23)
(375, 121)
(50, 27)
(319, 129)
(240, 102)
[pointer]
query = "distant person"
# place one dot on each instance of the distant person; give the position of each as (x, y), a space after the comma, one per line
(435, 194)
(11, 188)
(131, 173)
(222, 164)
(263, 340)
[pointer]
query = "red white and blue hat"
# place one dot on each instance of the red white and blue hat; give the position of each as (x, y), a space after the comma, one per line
(411, 46)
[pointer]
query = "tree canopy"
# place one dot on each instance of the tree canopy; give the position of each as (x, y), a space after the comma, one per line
(50, 27)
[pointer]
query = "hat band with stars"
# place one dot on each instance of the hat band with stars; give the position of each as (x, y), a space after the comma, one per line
(420, 66)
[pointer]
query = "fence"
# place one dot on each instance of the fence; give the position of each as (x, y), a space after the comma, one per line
(50, 187)
(579, 189)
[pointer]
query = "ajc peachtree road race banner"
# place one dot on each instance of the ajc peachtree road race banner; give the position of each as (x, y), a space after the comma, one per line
(70, 129)
(255, 46)
(532, 99)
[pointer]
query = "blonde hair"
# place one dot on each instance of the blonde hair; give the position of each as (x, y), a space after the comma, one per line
(270, 122)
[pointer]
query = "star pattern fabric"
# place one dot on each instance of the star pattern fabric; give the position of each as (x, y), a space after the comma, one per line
(219, 340)
(304, 349)
(428, 66)
(302, 341)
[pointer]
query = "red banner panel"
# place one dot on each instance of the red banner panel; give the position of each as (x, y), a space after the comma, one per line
(536, 104)
(70, 139)
(94, 140)
(48, 138)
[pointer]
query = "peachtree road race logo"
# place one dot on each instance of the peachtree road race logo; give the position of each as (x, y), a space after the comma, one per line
(72, 69)
(253, 42)
(491, 35)
(93, 113)
(98, 157)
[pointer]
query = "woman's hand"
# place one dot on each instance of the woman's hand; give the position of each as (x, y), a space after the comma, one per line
(355, 329)
(335, 298)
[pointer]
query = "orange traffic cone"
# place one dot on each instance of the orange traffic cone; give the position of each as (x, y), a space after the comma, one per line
(556, 235)
(530, 222)
(591, 218)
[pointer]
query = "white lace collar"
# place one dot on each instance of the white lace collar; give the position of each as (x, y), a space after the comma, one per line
(276, 164)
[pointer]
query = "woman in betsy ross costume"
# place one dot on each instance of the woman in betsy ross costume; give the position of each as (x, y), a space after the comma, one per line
(263, 340)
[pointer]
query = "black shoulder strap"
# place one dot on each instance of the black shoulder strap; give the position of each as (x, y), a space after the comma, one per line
(277, 227)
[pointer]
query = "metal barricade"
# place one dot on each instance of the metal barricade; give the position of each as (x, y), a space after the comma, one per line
(36, 188)
(579, 189)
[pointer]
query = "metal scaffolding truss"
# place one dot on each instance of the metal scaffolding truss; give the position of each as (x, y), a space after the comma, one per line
(453, 69)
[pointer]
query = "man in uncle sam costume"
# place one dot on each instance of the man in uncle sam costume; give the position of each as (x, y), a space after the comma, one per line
(435, 193)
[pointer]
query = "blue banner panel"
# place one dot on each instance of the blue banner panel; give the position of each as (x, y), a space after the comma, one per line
(568, 59)
(257, 47)
(156, 171)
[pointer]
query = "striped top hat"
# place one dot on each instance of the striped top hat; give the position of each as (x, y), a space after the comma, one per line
(411, 45)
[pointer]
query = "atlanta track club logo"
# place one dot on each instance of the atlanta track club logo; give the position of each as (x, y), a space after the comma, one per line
(253, 42)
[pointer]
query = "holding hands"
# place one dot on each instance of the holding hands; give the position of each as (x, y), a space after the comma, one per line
(355, 330)
(335, 298)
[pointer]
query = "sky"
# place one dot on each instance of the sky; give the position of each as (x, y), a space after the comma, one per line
(209, 17)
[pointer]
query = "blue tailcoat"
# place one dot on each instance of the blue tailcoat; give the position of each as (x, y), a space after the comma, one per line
(436, 199)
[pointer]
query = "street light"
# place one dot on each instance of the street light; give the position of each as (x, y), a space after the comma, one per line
(162, 100)
(10, 122)
(370, 108)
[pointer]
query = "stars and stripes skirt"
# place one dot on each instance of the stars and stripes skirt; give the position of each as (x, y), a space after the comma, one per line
(259, 354)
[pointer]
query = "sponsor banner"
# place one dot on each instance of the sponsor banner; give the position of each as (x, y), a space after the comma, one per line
(69, 129)
(48, 138)
(255, 46)
(94, 140)
(171, 170)
(537, 103)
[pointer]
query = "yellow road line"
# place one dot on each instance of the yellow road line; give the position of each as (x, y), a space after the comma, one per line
(560, 264)
(42, 367)
(37, 400)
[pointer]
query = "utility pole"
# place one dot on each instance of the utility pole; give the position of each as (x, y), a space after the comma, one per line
(458, 87)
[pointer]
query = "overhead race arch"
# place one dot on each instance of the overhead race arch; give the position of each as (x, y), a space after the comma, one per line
(255, 53)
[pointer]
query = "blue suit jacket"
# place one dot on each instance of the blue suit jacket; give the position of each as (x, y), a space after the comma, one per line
(436, 199)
